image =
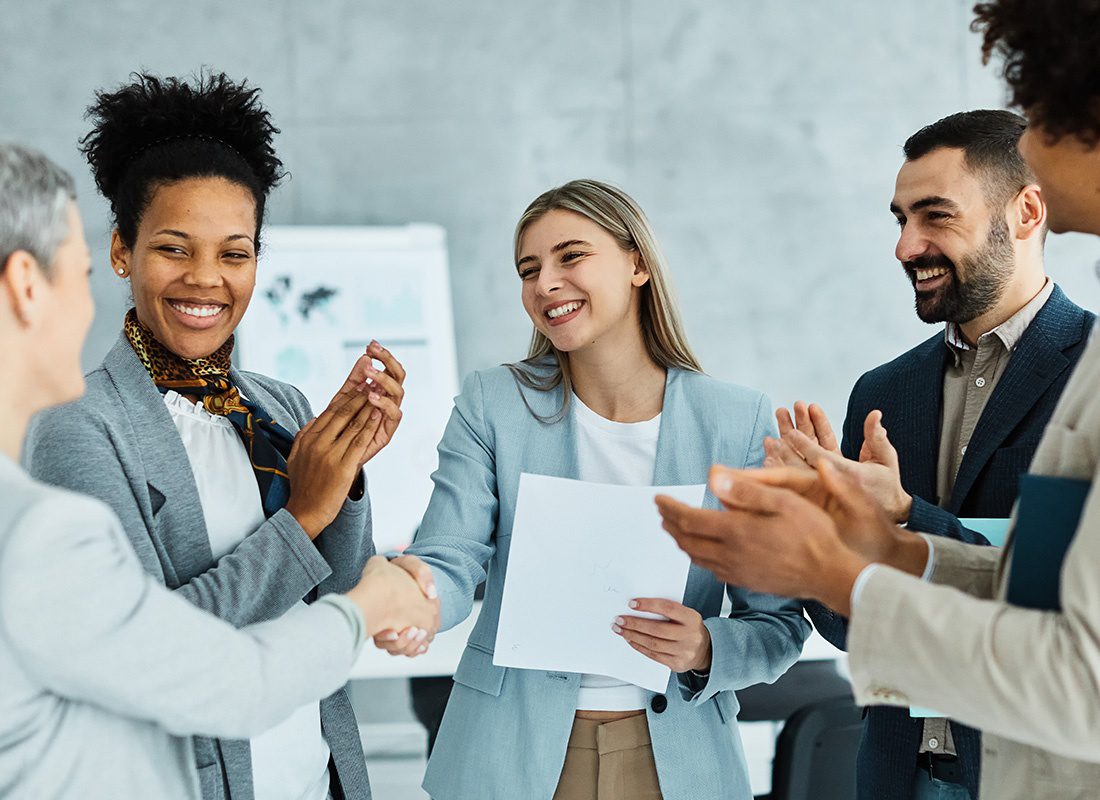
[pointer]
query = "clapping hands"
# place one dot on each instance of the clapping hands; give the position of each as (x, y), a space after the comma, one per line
(808, 438)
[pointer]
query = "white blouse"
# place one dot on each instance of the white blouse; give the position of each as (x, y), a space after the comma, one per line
(290, 761)
(623, 453)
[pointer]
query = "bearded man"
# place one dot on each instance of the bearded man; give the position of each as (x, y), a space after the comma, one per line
(966, 408)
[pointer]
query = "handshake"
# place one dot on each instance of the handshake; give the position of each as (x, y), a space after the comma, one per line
(399, 604)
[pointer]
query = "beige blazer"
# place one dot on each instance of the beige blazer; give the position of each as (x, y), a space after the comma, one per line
(1029, 679)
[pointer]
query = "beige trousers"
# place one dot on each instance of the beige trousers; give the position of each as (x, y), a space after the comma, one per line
(609, 761)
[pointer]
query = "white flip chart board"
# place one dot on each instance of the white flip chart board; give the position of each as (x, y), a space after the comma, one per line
(322, 293)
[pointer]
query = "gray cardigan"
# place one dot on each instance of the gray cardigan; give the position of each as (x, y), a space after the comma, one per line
(118, 443)
(104, 672)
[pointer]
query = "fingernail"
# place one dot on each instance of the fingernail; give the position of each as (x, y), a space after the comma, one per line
(633, 604)
(422, 635)
(723, 483)
(373, 395)
(375, 414)
(391, 636)
(422, 649)
(619, 620)
(433, 593)
(616, 628)
(411, 633)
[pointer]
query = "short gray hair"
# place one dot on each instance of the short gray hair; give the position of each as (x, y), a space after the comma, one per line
(34, 198)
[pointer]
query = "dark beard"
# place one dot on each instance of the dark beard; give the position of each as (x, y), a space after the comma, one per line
(988, 271)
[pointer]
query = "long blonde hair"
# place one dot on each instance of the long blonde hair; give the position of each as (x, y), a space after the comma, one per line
(663, 334)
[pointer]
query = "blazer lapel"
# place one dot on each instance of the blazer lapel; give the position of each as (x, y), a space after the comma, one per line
(687, 446)
(677, 463)
(178, 530)
(1035, 364)
(551, 447)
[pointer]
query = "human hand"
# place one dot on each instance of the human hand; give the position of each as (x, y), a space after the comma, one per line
(877, 470)
(809, 420)
(390, 599)
(324, 459)
(386, 392)
(812, 421)
(681, 641)
(781, 453)
(769, 538)
(833, 487)
(412, 642)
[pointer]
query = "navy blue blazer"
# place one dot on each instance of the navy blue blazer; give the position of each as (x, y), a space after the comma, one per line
(909, 392)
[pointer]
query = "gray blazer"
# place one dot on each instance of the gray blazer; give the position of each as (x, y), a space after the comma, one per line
(505, 732)
(104, 673)
(118, 443)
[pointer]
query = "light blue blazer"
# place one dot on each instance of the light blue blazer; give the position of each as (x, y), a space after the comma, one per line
(505, 731)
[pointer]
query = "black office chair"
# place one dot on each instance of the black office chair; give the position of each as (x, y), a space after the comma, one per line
(804, 683)
(815, 755)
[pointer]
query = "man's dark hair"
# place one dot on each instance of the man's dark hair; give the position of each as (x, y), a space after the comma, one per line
(988, 140)
(155, 131)
(1050, 49)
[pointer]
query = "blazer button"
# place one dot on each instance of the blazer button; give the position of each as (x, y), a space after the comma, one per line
(659, 703)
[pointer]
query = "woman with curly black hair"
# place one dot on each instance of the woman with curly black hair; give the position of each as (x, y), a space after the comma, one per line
(229, 490)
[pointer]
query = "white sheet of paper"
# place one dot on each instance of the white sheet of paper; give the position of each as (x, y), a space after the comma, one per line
(579, 553)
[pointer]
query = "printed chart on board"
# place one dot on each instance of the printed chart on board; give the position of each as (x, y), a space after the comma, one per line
(322, 293)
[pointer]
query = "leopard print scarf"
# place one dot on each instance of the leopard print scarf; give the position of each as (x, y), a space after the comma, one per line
(207, 377)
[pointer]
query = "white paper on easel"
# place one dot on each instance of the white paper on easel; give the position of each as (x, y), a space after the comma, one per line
(579, 553)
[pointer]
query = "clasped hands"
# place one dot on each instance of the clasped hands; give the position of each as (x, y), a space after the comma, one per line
(807, 523)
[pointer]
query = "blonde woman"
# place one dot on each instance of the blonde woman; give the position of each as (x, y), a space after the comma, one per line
(611, 393)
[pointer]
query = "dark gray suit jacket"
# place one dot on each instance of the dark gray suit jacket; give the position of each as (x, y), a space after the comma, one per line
(118, 443)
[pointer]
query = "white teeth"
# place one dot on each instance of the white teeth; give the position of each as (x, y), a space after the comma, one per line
(560, 311)
(925, 274)
(198, 311)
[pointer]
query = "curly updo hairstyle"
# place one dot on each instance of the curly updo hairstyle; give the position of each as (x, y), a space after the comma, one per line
(1050, 52)
(156, 131)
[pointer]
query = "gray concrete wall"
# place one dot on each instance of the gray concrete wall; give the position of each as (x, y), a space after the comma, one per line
(761, 136)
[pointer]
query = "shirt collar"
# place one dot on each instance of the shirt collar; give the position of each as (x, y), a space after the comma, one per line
(1008, 332)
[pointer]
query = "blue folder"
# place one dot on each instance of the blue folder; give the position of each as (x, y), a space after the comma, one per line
(1046, 522)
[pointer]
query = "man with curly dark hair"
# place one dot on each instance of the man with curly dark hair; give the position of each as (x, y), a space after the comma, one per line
(1018, 631)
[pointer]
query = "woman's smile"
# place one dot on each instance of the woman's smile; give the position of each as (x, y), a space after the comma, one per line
(561, 313)
(197, 315)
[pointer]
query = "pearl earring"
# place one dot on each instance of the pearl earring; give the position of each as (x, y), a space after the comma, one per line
(121, 271)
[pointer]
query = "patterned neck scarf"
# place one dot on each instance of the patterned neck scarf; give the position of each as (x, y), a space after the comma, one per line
(268, 443)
